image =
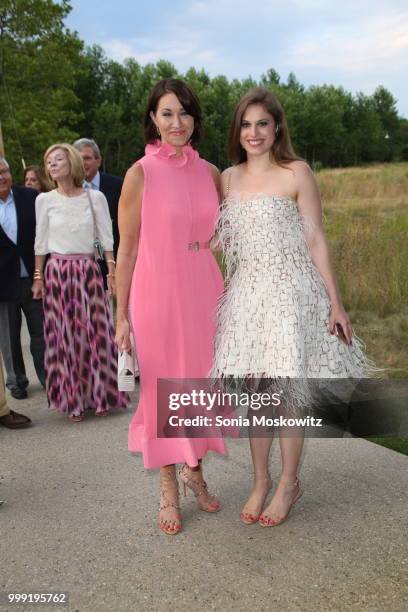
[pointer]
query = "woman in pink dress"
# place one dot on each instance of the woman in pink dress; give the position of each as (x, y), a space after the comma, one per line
(169, 283)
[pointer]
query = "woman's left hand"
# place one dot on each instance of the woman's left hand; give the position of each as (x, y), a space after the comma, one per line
(111, 285)
(38, 289)
(339, 317)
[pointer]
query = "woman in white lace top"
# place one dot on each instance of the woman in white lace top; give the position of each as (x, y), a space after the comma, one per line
(65, 225)
(80, 354)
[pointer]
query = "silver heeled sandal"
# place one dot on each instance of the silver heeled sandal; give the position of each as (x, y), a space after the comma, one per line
(266, 521)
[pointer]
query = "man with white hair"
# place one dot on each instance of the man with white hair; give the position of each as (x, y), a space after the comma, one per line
(17, 235)
(109, 184)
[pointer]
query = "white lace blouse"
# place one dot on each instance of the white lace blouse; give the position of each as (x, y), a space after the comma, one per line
(65, 224)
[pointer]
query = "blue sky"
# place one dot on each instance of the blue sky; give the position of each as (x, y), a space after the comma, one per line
(356, 44)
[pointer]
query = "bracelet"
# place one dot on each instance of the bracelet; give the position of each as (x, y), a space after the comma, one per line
(112, 261)
(38, 276)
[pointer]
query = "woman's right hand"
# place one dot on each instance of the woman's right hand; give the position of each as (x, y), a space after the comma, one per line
(122, 337)
(38, 289)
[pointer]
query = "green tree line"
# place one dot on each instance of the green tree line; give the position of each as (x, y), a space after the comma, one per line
(54, 88)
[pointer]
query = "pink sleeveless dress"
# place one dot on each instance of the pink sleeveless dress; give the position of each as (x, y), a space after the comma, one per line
(174, 294)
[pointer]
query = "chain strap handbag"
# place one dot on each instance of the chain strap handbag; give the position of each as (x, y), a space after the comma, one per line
(98, 248)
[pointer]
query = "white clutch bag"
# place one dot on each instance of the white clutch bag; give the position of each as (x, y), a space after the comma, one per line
(127, 369)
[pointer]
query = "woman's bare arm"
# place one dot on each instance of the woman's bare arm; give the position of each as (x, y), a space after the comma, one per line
(129, 220)
(215, 173)
(311, 210)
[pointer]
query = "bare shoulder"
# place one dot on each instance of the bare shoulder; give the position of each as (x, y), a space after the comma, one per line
(133, 186)
(226, 177)
(134, 180)
(134, 173)
(300, 168)
(214, 171)
(303, 175)
(225, 173)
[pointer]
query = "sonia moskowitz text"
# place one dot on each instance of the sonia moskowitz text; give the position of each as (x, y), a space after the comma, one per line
(241, 421)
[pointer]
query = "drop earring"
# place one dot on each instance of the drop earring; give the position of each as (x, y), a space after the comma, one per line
(158, 132)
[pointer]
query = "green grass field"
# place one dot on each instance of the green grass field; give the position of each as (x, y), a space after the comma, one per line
(366, 220)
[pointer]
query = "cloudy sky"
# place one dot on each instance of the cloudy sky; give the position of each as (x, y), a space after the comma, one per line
(357, 44)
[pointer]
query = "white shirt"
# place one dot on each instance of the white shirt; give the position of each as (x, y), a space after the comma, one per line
(65, 224)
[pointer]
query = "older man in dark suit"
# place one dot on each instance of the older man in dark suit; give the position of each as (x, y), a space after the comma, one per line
(109, 184)
(17, 235)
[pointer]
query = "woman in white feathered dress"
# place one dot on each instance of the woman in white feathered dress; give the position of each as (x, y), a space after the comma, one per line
(281, 316)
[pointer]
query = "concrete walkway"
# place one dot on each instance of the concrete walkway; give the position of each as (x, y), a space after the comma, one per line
(81, 517)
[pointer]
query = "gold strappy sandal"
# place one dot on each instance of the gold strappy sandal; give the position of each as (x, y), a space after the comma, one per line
(171, 526)
(205, 501)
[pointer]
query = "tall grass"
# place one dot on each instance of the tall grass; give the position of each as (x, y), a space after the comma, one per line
(366, 220)
(370, 252)
(382, 187)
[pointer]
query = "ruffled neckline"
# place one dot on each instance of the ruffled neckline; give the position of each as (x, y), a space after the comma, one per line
(168, 152)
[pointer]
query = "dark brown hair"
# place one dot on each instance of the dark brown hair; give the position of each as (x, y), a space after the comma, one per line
(282, 149)
(41, 177)
(188, 100)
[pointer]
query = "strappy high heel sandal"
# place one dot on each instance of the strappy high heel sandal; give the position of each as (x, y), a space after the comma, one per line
(76, 418)
(171, 526)
(249, 517)
(102, 413)
(205, 501)
(267, 521)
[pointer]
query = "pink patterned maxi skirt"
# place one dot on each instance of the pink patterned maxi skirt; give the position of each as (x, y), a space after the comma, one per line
(80, 353)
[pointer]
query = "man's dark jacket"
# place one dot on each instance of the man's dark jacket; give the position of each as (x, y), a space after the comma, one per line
(10, 253)
(111, 186)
